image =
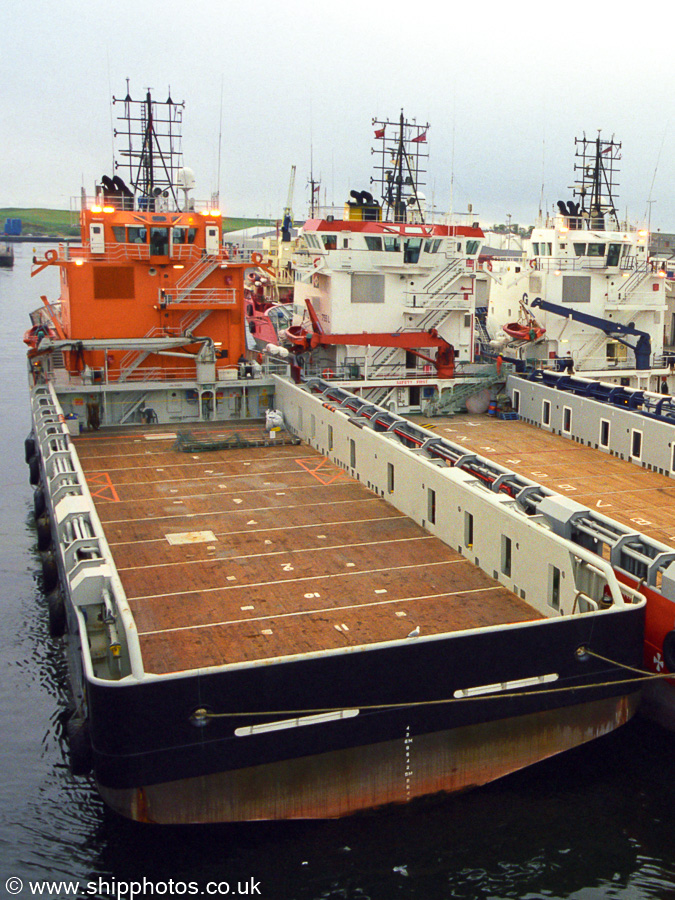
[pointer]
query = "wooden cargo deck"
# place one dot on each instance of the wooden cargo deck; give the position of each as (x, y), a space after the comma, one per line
(636, 497)
(234, 555)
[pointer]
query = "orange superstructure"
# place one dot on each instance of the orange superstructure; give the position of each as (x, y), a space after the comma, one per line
(150, 274)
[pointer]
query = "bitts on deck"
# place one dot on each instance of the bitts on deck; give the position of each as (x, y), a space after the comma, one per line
(256, 553)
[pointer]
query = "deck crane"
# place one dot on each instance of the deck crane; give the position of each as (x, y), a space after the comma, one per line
(287, 223)
(642, 348)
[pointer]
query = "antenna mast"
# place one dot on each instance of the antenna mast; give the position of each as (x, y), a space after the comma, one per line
(596, 184)
(153, 152)
(400, 167)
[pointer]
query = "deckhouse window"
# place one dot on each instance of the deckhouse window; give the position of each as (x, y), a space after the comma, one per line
(183, 235)
(580, 249)
(373, 242)
(118, 233)
(432, 246)
(329, 241)
(137, 235)
(596, 249)
(159, 241)
(412, 250)
(392, 244)
(472, 247)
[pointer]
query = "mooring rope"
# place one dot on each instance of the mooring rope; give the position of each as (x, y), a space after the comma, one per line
(640, 677)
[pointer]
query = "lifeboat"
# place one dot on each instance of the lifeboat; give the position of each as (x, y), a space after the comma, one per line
(524, 331)
(34, 335)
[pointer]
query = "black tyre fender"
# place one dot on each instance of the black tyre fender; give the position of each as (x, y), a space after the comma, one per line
(39, 502)
(34, 470)
(44, 533)
(29, 447)
(57, 613)
(50, 572)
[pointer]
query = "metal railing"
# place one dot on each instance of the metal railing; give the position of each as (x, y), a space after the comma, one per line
(202, 296)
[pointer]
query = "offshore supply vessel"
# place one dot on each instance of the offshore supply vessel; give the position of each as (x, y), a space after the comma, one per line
(279, 599)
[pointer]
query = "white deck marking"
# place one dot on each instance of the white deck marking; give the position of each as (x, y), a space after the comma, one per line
(225, 512)
(269, 529)
(191, 537)
(298, 578)
(287, 566)
(312, 612)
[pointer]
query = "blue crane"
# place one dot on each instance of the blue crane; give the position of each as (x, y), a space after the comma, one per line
(642, 348)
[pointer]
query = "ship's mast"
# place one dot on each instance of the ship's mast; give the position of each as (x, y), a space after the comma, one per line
(596, 182)
(152, 155)
(401, 164)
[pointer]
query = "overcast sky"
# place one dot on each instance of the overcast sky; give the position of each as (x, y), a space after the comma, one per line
(506, 87)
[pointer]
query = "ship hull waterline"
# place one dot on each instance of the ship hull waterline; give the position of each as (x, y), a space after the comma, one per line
(343, 782)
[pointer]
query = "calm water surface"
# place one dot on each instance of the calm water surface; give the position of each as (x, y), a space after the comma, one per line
(598, 822)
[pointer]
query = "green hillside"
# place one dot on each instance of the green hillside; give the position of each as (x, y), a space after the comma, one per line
(65, 223)
(60, 222)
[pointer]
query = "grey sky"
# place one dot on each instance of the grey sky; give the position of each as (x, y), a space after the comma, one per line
(505, 87)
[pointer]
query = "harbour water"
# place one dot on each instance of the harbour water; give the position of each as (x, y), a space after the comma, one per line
(595, 823)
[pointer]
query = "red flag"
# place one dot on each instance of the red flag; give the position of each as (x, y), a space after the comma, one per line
(380, 132)
(420, 139)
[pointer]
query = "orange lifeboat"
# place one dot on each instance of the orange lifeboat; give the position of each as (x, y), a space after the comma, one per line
(524, 331)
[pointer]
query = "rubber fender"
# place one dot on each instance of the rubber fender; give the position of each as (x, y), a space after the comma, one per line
(39, 503)
(79, 746)
(44, 532)
(29, 447)
(57, 613)
(34, 470)
(50, 572)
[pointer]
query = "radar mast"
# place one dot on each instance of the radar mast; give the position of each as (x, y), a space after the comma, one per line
(596, 182)
(401, 164)
(152, 155)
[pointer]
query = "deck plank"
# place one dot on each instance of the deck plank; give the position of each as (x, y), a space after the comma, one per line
(263, 552)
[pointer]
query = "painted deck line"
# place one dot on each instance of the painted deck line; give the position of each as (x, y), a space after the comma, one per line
(267, 530)
(296, 578)
(248, 510)
(285, 552)
(329, 609)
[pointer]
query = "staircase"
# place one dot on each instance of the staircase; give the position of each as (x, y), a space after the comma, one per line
(453, 399)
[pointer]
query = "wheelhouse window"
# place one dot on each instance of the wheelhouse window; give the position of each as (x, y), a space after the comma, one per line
(412, 248)
(472, 247)
(183, 235)
(137, 235)
(159, 241)
(431, 246)
(118, 233)
(392, 244)
(596, 250)
(580, 249)
(329, 241)
(373, 242)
